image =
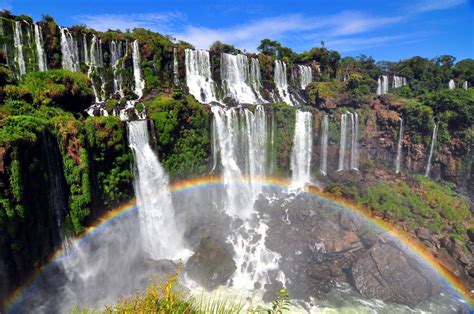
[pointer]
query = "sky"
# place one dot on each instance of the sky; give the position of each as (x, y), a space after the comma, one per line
(386, 30)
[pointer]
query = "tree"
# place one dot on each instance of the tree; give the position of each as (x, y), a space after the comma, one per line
(464, 71)
(219, 46)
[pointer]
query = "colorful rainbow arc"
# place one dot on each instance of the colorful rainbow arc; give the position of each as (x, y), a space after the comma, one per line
(125, 209)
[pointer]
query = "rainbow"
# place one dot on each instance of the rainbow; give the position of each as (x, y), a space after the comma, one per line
(416, 247)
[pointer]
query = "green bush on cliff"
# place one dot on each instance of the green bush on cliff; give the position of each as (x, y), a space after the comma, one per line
(419, 121)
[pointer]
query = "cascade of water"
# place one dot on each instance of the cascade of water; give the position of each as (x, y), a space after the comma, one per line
(302, 149)
(214, 146)
(398, 81)
(354, 140)
(398, 161)
(281, 82)
(323, 168)
(465, 85)
(306, 75)
(175, 67)
(69, 51)
(39, 49)
(18, 42)
(382, 85)
(115, 59)
(161, 237)
(433, 144)
(86, 49)
(198, 75)
(451, 84)
(272, 146)
(342, 142)
(92, 72)
(255, 77)
(137, 74)
(236, 78)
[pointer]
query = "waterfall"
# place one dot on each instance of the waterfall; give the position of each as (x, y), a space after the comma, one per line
(302, 149)
(255, 77)
(115, 59)
(382, 85)
(95, 62)
(69, 51)
(354, 140)
(451, 84)
(86, 49)
(237, 81)
(323, 168)
(214, 145)
(39, 49)
(465, 85)
(175, 67)
(198, 75)
(137, 74)
(272, 146)
(433, 143)
(398, 81)
(342, 142)
(281, 82)
(18, 42)
(306, 75)
(161, 237)
(398, 161)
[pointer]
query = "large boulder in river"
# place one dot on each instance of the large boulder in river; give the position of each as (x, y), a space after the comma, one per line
(388, 274)
(212, 265)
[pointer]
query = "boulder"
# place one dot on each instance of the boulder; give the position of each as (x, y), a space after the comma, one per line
(212, 264)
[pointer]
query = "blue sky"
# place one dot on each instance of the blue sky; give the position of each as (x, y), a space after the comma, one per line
(386, 30)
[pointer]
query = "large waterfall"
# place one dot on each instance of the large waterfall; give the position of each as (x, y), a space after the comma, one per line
(432, 146)
(382, 85)
(137, 73)
(306, 75)
(354, 137)
(116, 54)
(18, 40)
(238, 81)
(96, 62)
(281, 82)
(255, 77)
(451, 84)
(342, 141)
(69, 51)
(323, 166)
(198, 75)
(398, 160)
(42, 63)
(161, 237)
(302, 149)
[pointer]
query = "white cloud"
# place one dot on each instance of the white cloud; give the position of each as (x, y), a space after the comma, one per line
(160, 22)
(433, 5)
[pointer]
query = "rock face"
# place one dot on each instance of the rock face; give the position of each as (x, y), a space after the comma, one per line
(212, 265)
(385, 273)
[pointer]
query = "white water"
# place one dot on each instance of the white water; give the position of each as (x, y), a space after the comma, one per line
(175, 67)
(382, 85)
(39, 49)
(306, 75)
(451, 84)
(86, 49)
(137, 74)
(398, 81)
(255, 77)
(323, 167)
(237, 81)
(94, 64)
(18, 42)
(161, 237)
(302, 149)
(398, 161)
(343, 141)
(69, 51)
(432, 146)
(465, 85)
(354, 140)
(116, 54)
(281, 82)
(198, 75)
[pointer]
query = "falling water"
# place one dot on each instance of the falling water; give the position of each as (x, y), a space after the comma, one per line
(342, 142)
(302, 148)
(237, 81)
(398, 81)
(433, 143)
(175, 67)
(281, 82)
(306, 75)
(161, 237)
(115, 59)
(39, 49)
(69, 51)
(95, 62)
(398, 161)
(354, 140)
(382, 85)
(255, 77)
(86, 49)
(18, 41)
(451, 84)
(137, 74)
(323, 168)
(198, 75)
(465, 85)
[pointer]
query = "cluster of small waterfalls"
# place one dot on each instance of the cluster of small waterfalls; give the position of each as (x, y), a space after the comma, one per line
(385, 83)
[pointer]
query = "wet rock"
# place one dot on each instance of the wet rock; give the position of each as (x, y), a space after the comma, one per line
(386, 273)
(423, 234)
(212, 264)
